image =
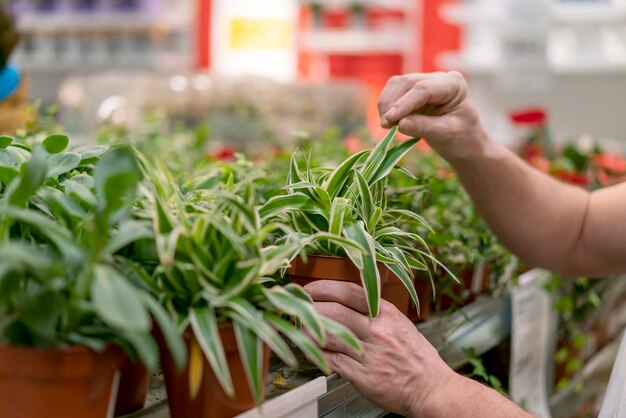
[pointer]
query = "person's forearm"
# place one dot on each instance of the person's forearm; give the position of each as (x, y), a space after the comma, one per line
(537, 217)
(465, 398)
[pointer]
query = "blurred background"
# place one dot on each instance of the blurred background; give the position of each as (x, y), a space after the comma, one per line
(259, 70)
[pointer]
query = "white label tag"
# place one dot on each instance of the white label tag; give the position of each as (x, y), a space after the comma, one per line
(532, 343)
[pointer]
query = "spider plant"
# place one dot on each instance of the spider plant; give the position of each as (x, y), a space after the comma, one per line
(64, 217)
(350, 200)
(215, 267)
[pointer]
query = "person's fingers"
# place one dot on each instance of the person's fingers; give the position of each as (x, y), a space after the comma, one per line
(348, 294)
(357, 322)
(418, 126)
(395, 88)
(334, 343)
(344, 365)
(438, 91)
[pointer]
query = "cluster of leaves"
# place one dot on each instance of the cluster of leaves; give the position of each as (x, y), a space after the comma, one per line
(350, 201)
(575, 301)
(215, 266)
(64, 217)
(480, 373)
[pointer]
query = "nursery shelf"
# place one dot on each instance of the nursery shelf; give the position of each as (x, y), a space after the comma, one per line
(481, 325)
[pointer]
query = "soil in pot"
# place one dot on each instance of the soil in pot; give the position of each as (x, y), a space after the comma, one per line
(318, 267)
(75, 382)
(133, 388)
(211, 401)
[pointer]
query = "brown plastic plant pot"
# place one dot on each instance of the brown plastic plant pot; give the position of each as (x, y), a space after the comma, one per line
(133, 388)
(211, 401)
(75, 382)
(320, 267)
(424, 291)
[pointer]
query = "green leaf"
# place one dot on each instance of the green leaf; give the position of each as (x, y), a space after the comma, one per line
(366, 201)
(406, 278)
(90, 153)
(341, 174)
(167, 326)
(118, 303)
(288, 303)
(116, 176)
(9, 159)
(40, 310)
(5, 141)
(128, 232)
(307, 345)
(343, 333)
(78, 188)
(146, 348)
(377, 157)
(33, 175)
(204, 324)
(58, 235)
(7, 174)
(370, 276)
(337, 215)
(392, 159)
(240, 310)
(251, 353)
(62, 163)
(292, 202)
(55, 144)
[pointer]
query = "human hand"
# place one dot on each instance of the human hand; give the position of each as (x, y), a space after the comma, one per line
(399, 370)
(437, 107)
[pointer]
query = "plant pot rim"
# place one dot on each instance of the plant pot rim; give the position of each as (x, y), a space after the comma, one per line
(70, 349)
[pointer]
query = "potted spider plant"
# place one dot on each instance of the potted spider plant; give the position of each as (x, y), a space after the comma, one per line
(217, 275)
(350, 201)
(68, 315)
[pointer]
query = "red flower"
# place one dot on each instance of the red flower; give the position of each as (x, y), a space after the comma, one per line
(224, 153)
(572, 177)
(613, 163)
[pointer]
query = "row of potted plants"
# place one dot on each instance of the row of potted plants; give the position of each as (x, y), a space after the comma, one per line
(108, 259)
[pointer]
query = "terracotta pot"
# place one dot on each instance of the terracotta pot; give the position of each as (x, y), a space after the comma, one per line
(133, 389)
(425, 294)
(211, 401)
(75, 382)
(319, 267)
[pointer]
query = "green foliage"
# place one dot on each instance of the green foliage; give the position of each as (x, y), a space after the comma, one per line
(350, 200)
(218, 264)
(64, 216)
(479, 371)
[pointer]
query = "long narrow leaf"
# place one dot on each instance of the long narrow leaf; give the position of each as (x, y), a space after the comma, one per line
(370, 275)
(392, 159)
(251, 354)
(243, 311)
(307, 345)
(204, 324)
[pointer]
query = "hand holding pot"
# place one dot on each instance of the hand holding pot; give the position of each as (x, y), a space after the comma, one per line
(399, 369)
(437, 107)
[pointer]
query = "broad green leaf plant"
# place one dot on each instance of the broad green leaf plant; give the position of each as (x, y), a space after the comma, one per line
(351, 201)
(64, 217)
(216, 268)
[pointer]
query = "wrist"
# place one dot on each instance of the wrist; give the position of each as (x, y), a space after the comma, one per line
(433, 402)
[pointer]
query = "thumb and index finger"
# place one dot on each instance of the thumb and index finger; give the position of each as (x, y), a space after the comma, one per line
(412, 103)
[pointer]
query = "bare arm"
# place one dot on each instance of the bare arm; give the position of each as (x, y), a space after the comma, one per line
(546, 222)
(399, 370)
